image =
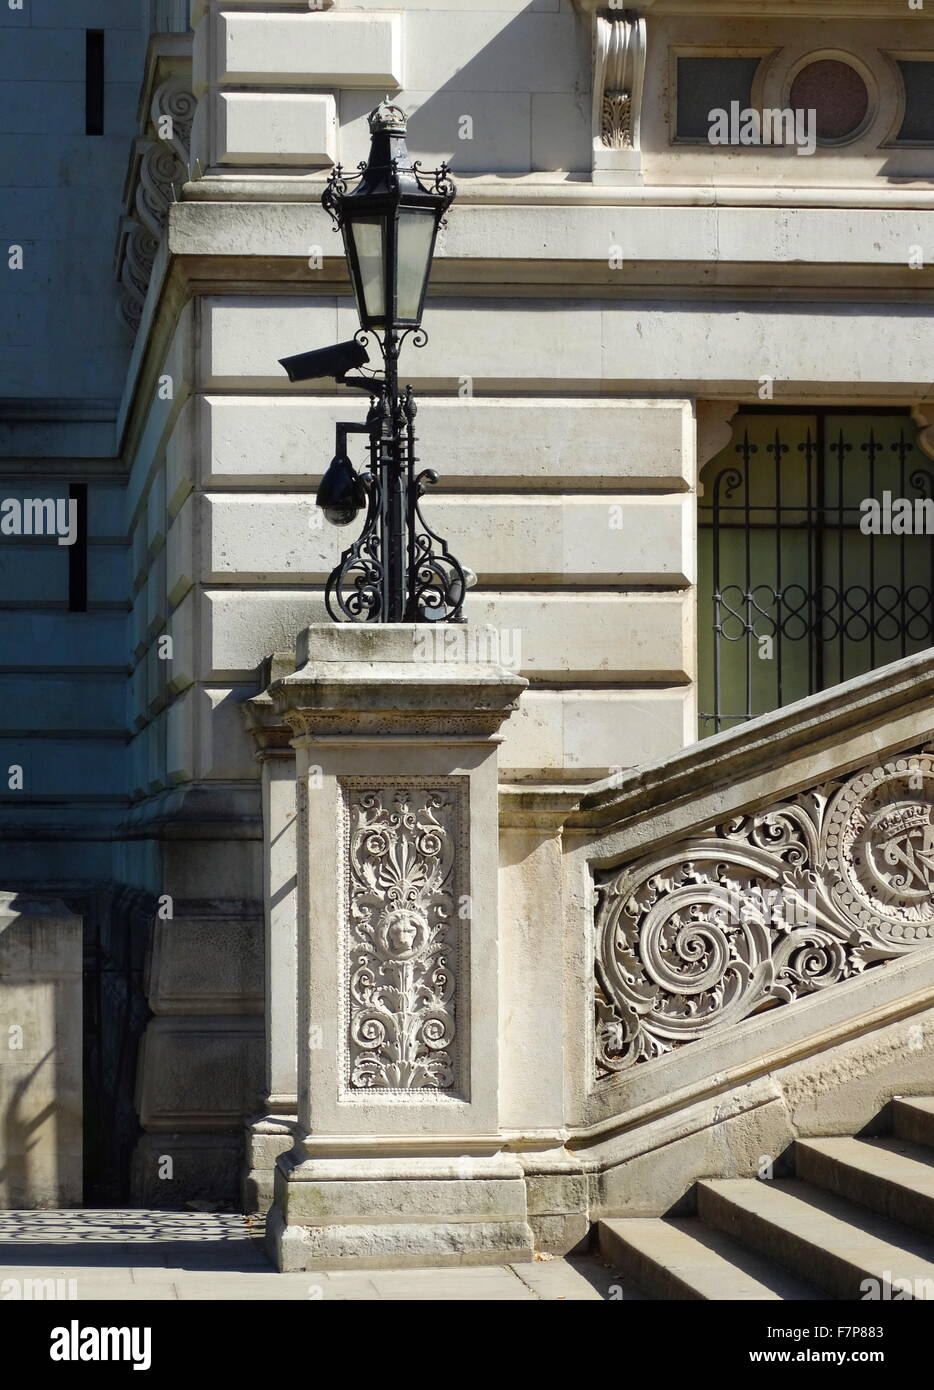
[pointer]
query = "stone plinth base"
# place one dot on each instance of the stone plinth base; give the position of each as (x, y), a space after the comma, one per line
(394, 1212)
(266, 1138)
(170, 1170)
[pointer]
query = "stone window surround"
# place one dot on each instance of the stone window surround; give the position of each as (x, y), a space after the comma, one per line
(780, 66)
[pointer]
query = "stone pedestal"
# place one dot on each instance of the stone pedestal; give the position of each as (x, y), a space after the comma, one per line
(401, 1158)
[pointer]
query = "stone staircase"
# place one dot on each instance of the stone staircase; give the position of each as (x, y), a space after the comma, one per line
(857, 1210)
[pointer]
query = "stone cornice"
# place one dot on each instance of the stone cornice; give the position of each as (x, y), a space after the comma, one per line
(544, 808)
(376, 681)
(825, 253)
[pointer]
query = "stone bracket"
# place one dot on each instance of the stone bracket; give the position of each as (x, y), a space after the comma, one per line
(619, 48)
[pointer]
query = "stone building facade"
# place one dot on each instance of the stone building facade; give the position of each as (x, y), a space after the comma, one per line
(617, 301)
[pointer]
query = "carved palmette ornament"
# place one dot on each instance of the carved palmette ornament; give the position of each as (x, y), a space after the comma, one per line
(763, 910)
(617, 121)
(402, 847)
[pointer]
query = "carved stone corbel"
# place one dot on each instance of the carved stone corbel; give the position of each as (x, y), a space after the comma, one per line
(923, 416)
(173, 111)
(714, 430)
(136, 253)
(139, 254)
(619, 42)
(159, 159)
(130, 307)
(160, 170)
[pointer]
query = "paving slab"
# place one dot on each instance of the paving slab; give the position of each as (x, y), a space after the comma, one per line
(214, 1256)
(113, 1291)
(576, 1280)
(244, 1287)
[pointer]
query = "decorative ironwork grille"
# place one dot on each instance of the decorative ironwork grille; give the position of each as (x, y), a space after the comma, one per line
(795, 595)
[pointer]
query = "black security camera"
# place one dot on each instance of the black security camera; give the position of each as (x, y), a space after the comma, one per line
(333, 361)
(342, 493)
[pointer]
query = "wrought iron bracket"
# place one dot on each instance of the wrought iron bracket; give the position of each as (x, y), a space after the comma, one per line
(399, 569)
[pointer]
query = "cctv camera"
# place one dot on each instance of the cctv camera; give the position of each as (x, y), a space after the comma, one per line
(330, 361)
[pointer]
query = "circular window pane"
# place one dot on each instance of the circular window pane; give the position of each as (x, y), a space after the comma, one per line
(837, 94)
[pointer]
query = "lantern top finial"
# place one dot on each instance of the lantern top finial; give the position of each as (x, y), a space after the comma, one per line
(387, 117)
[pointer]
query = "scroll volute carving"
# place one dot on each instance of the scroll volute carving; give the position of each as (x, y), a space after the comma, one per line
(173, 111)
(161, 169)
(160, 173)
(764, 909)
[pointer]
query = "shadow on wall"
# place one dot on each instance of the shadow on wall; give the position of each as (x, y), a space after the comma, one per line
(511, 93)
(27, 1131)
(71, 1015)
(40, 1052)
(117, 927)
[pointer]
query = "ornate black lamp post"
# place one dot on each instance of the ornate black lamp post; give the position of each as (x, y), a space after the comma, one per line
(398, 570)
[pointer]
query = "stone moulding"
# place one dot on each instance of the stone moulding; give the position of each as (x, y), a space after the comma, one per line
(404, 932)
(764, 909)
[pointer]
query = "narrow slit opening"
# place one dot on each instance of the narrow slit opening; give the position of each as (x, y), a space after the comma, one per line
(94, 82)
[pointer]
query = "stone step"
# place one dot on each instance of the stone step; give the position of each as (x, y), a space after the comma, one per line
(681, 1259)
(913, 1119)
(848, 1251)
(890, 1176)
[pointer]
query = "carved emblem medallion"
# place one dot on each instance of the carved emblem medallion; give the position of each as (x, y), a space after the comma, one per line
(879, 844)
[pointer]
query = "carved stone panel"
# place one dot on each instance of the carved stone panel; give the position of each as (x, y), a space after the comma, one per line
(404, 934)
(618, 74)
(764, 909)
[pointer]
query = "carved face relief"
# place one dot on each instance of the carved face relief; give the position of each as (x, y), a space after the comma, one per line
(402, 932)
